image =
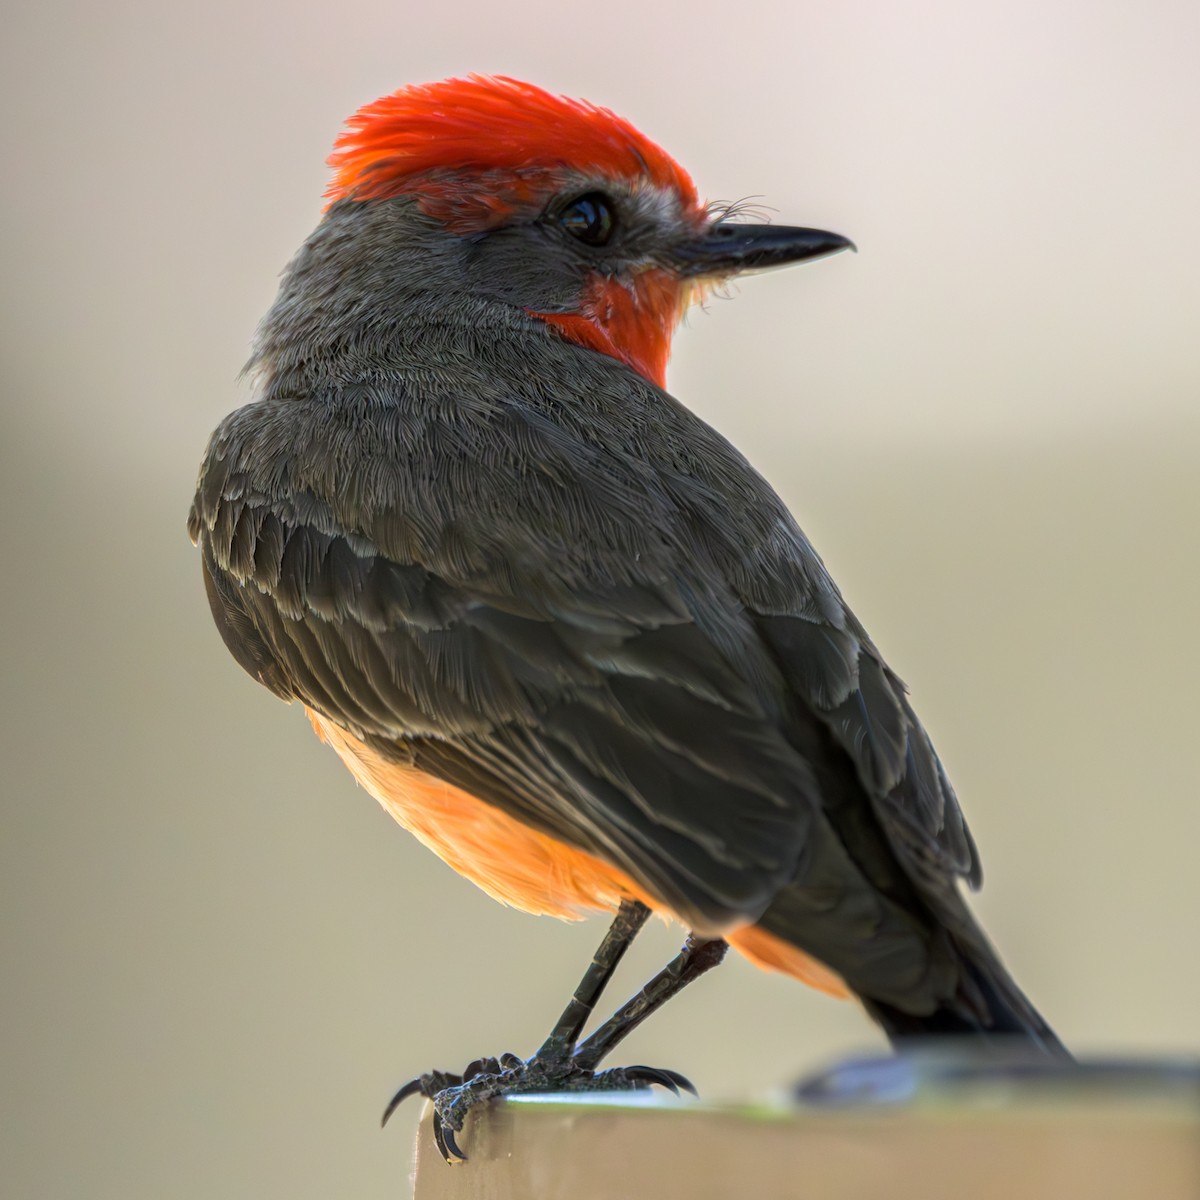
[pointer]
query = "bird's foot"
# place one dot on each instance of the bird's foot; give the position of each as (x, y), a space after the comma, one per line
(454, 1096)
(564, 1063)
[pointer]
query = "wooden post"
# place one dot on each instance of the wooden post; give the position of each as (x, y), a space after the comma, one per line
(993, 1148)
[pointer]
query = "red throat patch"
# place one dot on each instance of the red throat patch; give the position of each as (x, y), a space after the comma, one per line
(633, 323)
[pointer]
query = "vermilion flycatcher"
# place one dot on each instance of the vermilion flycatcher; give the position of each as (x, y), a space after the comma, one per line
(553, 622)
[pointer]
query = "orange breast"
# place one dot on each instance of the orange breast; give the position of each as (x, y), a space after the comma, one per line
(513, 863)
(522, 867)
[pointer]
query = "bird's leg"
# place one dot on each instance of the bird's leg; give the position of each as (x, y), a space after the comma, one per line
(562, 1063)
(697, 956)
(630, 918)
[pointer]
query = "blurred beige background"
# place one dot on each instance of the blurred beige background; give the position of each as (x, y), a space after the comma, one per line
(219, 957)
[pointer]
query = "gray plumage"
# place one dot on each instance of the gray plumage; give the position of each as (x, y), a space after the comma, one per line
(518, 565)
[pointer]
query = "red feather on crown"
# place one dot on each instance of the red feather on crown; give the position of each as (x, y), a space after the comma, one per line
(489, 124)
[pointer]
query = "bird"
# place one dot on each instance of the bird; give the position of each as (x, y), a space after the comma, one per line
(555, 623)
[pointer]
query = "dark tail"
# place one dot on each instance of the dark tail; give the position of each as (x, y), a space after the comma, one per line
(990, 1010)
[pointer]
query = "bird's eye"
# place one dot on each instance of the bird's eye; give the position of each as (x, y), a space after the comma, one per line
(590, 218)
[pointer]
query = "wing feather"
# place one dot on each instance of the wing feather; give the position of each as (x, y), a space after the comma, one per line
(596, 617)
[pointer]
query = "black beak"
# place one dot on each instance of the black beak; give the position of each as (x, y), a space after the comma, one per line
(729, 249)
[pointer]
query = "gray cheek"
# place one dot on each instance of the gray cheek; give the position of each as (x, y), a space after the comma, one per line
(528, 267)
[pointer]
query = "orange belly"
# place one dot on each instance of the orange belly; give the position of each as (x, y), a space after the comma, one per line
(522, 867)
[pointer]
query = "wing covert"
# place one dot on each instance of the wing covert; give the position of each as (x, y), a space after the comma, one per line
(596, 615)
(616, 725)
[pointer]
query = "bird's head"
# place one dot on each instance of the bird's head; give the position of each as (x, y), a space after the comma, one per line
(560, 207)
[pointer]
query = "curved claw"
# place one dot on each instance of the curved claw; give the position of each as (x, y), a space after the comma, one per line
(423, 1085)
(671, 1080)
(444, 1136)
(411, 1088)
